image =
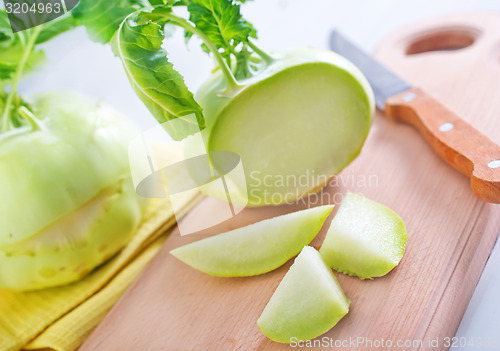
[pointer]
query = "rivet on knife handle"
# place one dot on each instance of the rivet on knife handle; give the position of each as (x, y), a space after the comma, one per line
(455, 140)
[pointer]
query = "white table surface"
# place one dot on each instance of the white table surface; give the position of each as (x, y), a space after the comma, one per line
(75, 63)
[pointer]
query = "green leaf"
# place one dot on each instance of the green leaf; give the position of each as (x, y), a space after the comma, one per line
(161, 88)
(102, 18)
(164, 2)
(5, 30)
(242, 70)
(12, 49)
(55, 27)
(222, 23)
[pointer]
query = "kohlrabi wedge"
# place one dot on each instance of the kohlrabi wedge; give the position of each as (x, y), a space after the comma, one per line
(257, 248)
(295, 124)
(68, 202)
(365, 239)
(307, 303)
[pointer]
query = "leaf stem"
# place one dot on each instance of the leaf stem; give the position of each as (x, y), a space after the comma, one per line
(264, 55)
(231, 82)
(19, 71)
(3, 94)
(30, 118)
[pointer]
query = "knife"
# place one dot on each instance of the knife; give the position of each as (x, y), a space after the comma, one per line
(453, 139)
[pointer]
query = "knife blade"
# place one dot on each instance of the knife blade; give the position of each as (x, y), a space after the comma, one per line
(384, 83)
(454, 140)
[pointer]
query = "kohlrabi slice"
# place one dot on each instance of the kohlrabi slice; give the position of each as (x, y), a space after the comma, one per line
(295, 124)
(307, 303)
(257, 248)
(365, 239)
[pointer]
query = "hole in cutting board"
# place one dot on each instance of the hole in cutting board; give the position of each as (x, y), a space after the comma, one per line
(443, 40)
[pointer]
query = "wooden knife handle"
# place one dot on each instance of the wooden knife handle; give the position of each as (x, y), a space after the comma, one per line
(456, 141)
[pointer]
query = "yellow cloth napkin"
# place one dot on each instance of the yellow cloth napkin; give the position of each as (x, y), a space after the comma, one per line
(61, 318)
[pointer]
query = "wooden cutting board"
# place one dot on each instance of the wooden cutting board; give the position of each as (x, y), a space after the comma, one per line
(450, 232)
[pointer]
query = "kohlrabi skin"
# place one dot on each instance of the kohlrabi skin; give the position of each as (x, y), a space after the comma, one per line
(295, 124)
(68, 203)
(365, 239)
(307, 303)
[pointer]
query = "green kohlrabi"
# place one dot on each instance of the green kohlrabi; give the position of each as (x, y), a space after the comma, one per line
(295, 116)
(67, 202)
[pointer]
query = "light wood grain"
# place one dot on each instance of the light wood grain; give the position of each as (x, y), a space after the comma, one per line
(451, 231)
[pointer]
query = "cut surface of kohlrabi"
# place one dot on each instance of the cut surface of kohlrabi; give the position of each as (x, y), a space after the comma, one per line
(307, 303)
(365, 239)
(257, 248)
(294, 125)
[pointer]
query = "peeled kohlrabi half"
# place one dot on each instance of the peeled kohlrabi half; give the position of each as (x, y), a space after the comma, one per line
(295, 124)
(365, 239)
(67, 200)
(307, 303)
(257, 248)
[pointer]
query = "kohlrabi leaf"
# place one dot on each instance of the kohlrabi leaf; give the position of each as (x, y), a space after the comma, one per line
(222, 23)
(161, 88)
(55, 27)
(165, 2)
(5, 30)
(12, 47)
(242, 69)
(102, 18)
